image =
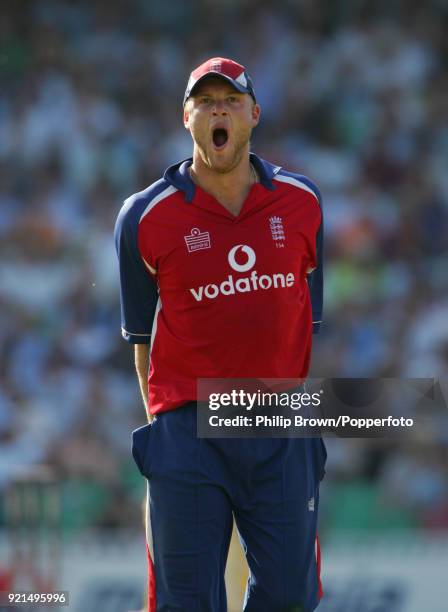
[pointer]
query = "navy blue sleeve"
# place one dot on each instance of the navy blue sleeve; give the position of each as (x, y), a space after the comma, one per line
(138, 291)
(316, 281)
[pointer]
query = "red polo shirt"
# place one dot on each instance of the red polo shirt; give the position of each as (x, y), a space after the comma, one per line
(219, 296)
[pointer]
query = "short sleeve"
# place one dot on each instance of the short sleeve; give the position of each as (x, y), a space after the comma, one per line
(315, 281)
(138, 290)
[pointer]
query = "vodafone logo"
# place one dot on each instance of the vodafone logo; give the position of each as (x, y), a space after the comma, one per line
(241, 259)
(250, 254)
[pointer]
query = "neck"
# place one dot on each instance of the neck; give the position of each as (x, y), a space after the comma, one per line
(229, 188)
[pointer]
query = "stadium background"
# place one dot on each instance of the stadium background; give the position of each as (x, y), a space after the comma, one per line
(354, 94)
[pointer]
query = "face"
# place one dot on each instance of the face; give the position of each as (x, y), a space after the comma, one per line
(220, 120)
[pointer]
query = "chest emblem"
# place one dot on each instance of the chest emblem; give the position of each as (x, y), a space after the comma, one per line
(197, 240)
(277, 231)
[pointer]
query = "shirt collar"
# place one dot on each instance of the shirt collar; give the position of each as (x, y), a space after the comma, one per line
(178, 175)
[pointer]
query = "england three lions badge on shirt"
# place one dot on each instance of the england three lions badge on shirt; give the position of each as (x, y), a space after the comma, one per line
(277, 231)
(197, 240)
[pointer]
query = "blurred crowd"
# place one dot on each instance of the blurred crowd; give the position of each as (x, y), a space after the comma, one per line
(353, 95)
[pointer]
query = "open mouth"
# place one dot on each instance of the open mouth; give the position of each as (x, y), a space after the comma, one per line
(220, 137)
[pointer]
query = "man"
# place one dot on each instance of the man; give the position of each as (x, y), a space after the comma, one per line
(217, 281)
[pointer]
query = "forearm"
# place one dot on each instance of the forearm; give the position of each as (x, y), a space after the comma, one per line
(141, 355)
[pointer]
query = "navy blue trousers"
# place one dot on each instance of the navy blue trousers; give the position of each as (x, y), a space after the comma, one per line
(195, 488)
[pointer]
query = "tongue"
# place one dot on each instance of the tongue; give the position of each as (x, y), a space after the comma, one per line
(219, 137)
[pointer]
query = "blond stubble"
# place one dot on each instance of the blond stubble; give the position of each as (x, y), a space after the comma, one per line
(239, 145)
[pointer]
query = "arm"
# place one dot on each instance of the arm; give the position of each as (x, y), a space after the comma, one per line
(138, 295)
(141, 356)
(315, 280)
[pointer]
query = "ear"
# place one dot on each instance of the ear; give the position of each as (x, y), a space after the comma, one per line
(256, 110)
(186, 117)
